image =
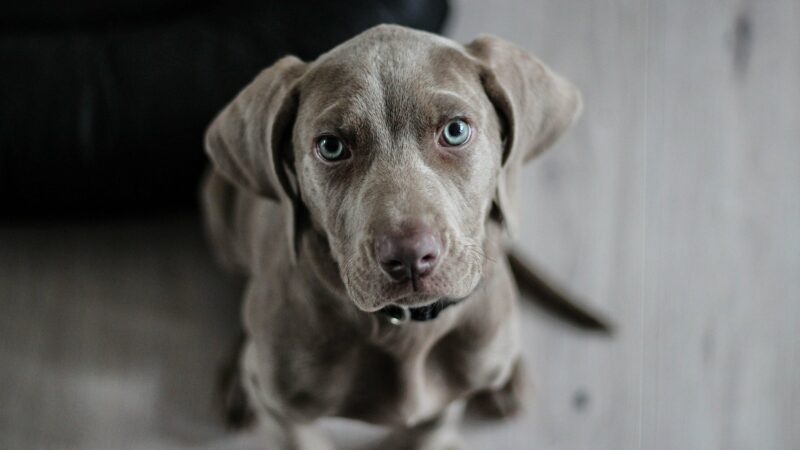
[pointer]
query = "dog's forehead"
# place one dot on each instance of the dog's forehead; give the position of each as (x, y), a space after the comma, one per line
(387, 45)
(389, 69)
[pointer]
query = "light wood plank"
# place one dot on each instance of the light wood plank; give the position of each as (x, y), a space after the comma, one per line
(722, 218)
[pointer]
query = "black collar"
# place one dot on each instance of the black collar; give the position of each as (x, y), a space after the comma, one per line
(400, 314)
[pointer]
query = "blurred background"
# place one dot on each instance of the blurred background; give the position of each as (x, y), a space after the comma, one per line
(673, 206)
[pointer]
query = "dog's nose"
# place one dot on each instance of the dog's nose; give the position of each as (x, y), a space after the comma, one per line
(408, 256)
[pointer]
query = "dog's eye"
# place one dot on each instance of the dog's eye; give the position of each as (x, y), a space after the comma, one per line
(332, 149)
(455, 132)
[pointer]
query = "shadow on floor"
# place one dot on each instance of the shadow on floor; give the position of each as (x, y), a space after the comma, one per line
(111, 333)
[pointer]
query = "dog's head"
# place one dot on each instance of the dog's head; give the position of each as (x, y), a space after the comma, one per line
(398, 146)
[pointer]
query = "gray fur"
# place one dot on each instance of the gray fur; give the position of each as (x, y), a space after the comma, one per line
(302, 230)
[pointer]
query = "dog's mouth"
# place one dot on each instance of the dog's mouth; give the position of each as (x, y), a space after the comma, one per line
(414, 293)
(415, 286)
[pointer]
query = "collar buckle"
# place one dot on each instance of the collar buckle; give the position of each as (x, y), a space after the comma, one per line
(397, 315)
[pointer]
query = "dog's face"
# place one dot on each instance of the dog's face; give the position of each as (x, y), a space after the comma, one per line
(397, 151)
(396, 145)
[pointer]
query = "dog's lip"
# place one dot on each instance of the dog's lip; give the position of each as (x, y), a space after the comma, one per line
(411, 298)
(399, 314)
(407, 300)
(422, 297)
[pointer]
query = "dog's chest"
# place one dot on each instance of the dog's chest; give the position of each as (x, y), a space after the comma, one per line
(399, 381)
(414, 386)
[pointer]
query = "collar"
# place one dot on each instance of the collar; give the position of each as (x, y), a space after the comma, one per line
(399, 315)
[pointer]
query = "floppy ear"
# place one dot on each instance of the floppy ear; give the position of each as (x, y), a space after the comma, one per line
(249, 142)
(536, 106)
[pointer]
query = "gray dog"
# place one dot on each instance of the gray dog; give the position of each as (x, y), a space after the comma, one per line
(366, 195)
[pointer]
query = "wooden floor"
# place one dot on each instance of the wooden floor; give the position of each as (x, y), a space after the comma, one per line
(674, 205)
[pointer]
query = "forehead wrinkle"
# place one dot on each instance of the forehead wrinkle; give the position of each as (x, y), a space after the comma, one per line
(405, 104)
(339, 117)
(367, 108)
(451, 98)
(448, 94)
(353, 112)
(329, 110)
(451, 103)
(403, 78)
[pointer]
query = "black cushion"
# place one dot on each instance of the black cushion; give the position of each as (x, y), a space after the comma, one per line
(102, 110)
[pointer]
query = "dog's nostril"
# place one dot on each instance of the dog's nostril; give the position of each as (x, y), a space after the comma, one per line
(408, 255)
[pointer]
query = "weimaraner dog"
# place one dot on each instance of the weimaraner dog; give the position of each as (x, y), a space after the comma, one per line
(366, 196)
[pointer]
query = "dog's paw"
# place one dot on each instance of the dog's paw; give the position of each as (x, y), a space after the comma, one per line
(446, 440)
(232, 398)
(237, 413)
(504, 402)
(495, 404)
(442, 439)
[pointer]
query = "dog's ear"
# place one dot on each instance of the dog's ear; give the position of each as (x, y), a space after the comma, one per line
(249, 142)
(535, 105)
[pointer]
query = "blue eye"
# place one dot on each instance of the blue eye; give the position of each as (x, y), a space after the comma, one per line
(456, 132)
(332, 149)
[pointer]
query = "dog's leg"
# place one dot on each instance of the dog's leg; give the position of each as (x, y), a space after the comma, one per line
(281, 432)
(439, 433)
(504, 402)
(236, 411)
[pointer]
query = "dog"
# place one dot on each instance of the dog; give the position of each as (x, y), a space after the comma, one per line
(367, 196)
